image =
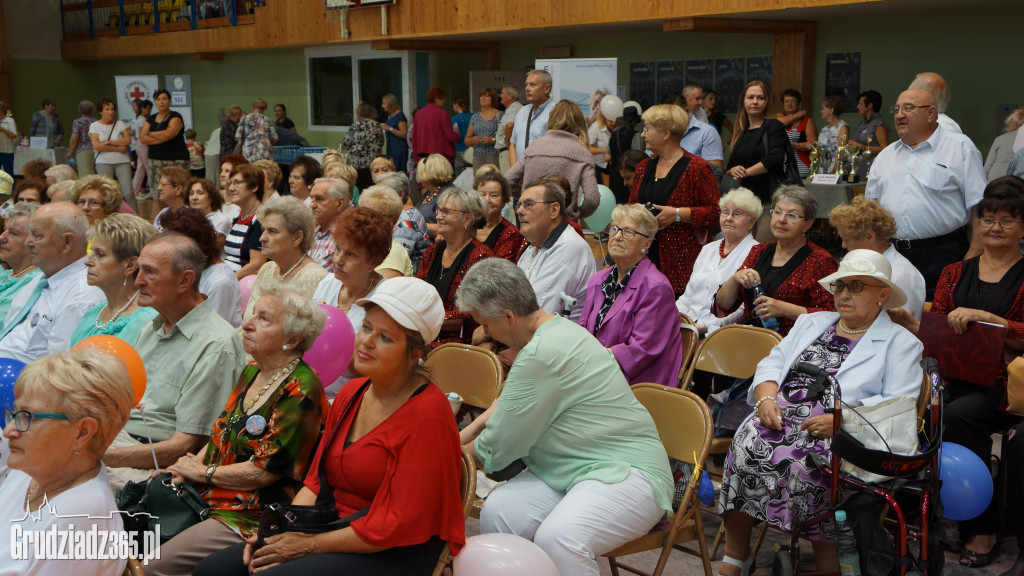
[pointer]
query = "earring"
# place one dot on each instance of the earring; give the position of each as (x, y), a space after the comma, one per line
(879, 303)
(125, 283)
(643, 250)
(284, 347)
(76, 453)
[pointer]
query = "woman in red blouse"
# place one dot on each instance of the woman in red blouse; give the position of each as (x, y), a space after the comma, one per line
(679, 189)
(498, 234)
(788, 269)
(460, 213)
(390, 453)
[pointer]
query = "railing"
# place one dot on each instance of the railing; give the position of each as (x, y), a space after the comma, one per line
(92, 18)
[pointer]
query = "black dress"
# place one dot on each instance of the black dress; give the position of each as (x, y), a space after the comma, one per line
(749, 150)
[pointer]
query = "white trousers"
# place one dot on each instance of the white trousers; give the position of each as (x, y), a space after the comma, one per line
(577, 527)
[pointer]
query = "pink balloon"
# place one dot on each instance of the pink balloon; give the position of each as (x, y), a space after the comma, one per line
(332, 351)
(502, 555)
(245, 284)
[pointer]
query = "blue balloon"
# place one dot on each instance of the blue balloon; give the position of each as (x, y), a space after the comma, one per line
(966, 482)
(9, 370)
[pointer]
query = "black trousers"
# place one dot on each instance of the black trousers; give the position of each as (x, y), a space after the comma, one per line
(418, 560)
(971, 416)
(930, 259)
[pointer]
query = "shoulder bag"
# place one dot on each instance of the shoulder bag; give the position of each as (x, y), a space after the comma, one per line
(175, 508)
(790, 173)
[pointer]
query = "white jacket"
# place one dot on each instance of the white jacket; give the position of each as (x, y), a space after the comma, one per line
(885, 362)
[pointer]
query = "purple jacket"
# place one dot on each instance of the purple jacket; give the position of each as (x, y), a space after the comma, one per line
(642, 327)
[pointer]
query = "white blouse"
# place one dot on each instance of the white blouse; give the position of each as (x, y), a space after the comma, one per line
(710, 271)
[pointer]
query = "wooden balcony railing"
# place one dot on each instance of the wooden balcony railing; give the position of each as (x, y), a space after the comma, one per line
(98, 18)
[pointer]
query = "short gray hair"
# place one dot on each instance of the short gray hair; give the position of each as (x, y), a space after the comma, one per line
(185, 254)
(691, 87)
(61, 173)
(468, 200)
(86, 108)
(63, 186)
(302, 316)
(511, 89)
(797, 195)
(296, 215)
(336, 188)
(935, 85)
(639, 213)
(69, 218)
(20, 209)
(553, 191)
(544, 76)
(397, 181)
(494, 285)
(743, 199)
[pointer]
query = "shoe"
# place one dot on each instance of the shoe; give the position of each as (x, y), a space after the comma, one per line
(743, 565)
(973, 559)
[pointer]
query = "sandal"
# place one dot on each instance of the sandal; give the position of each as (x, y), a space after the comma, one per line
(973, 559)
(743, 565)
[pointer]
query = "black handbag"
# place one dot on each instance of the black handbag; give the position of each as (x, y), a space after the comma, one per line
(322, 516)
(790, 173)
(158, 502)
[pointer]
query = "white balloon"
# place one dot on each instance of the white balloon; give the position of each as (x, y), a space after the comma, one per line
(611, 107)
(634, 104)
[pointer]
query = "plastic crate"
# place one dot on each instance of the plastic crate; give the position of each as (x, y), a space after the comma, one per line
(285, 154)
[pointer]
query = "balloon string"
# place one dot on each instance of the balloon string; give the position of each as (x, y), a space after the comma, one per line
(142, 412)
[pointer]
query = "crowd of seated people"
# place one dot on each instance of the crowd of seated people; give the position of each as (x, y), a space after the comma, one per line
(223, 290)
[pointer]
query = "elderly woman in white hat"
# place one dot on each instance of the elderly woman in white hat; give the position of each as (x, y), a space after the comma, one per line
(873, 359)
(389, 451)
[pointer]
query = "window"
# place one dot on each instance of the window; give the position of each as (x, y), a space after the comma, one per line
(338, 78)
(330, 81)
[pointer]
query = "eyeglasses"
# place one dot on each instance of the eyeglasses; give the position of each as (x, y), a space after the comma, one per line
(855, 287)
(787, 216)
(89, 204)
(528, 204)
(1005, 223)
(446, 212)
(236, 182)
(23, 418)
(736, 214)
(627, 233)
(907, 108)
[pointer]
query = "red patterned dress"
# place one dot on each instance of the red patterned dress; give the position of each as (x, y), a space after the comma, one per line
(447, 281)
(800, 287)
(676, 247)
(505, 241)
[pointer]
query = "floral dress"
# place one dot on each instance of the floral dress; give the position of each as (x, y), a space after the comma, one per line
(766, 474)
(364, 141)
(280, 437)
(257, 134)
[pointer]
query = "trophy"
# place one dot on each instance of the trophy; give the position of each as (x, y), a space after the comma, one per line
(815, 159)
(867, 155)
(853, 153)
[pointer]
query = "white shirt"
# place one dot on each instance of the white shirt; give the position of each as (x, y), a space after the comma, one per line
(563, 263)
(1018, 141)
(86, 506)
(930, 190)
(907, 277)
(508, 116)
(701, 115)
(220, 286)
(599, 137)
(327, 293)
(221, 223)
(949, 124)
(48, 326)
(710, 271)
(538, 126)
(105, 133)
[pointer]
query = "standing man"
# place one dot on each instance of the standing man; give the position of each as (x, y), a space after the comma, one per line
(694, 96)
(936, 85)
(510, 100)
(327, 199)
(532, 120)
(281, 118)
(8, 140)
(929, 180)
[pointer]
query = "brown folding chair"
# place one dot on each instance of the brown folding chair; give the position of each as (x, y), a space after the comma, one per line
(473, 373)
(691, 338)
(133, 568)
(684, 425)
(467, 489)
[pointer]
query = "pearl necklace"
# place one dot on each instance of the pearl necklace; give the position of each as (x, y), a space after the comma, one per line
(249, 215)
(23, 271)
(99, 324)
(263, 389)
(848, 331)
(294, 266)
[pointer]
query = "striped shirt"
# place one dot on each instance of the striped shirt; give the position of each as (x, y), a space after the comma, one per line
(243, 237)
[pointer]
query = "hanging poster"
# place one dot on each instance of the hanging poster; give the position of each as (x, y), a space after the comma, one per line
(642, 83)
(130, 88)
(670, 79)
(729, 80)
(576, 79)
(760, 68)
(842, 76)
(701, 73)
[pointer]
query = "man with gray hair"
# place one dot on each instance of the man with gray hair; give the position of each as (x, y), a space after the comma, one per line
(694, 96)
(328, 198)
(411, 229)
(46, 311)
(936, 86)
(193, 358)
(510, 100)
(532, 120)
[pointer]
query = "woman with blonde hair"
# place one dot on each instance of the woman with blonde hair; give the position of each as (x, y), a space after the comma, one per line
(381, 165)
(864, 223)
(564, 150)
(386, 201)
(97, 196)
(273, 175)
(396, 130)
(435, 174)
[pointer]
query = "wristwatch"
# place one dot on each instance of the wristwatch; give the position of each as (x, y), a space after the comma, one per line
(677, 216)
(209, 474)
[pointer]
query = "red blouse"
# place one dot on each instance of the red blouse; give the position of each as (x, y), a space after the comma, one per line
(406, 470)
(697, 189)
(476, 254)
(510, 243)
(800, 288)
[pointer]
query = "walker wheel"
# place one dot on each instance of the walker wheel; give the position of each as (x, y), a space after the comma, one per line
(782, 562)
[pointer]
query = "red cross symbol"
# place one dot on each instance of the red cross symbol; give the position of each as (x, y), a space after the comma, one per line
(137, 93)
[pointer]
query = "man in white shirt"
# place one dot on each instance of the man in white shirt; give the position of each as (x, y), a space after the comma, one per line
(510, 100)
(531, 120)
(936, 85)
(328, 198)
(557, 260)
(48, 309)
(929, 180)
(694, 96)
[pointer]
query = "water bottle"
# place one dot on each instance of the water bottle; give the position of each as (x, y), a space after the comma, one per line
(846, 546)
(768, 322)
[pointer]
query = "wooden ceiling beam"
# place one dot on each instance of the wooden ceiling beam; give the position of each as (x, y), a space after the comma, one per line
(491, 50)
(734, 26)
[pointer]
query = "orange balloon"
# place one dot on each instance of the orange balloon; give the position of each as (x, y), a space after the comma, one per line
(123, 351)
